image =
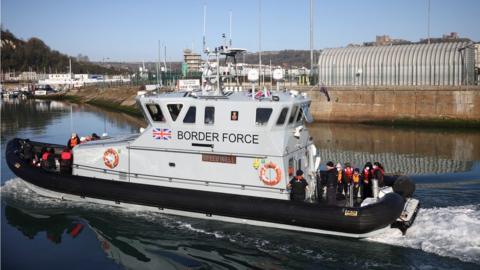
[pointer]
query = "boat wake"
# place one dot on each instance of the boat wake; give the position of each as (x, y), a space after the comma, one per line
(446, 231)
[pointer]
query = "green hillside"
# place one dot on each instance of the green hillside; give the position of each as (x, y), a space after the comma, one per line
(33, 54)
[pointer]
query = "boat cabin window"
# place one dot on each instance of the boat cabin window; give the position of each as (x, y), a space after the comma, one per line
(209, 115)
(263, 114)
(282, 117)
(293, 113)
(155, 112)
(299, 116)
(174, 110)
(191, 115)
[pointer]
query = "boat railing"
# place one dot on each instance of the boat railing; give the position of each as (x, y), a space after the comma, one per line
(124, 175)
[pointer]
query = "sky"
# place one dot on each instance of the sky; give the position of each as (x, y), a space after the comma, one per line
(128, 30)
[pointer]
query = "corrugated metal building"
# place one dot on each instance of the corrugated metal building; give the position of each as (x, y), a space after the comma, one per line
(448, 63)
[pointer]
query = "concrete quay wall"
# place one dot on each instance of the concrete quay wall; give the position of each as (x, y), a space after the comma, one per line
(353, 104)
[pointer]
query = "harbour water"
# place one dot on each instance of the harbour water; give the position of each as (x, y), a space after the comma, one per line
(39, 232)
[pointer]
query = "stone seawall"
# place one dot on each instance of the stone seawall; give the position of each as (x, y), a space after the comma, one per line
(348, 104)
(390, 104)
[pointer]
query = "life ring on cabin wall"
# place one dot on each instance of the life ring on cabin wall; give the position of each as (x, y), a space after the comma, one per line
(111, 158)
(271, 181)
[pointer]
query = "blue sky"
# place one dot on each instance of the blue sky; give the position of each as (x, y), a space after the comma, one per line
(127, 30)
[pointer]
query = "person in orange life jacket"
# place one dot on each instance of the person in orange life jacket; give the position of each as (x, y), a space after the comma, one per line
(341, 180)
(367, 175)
(298, 186)
(348, 172)
(331, 182)
(378, 173)
(356, 182)
(66, 161)
(73, 141)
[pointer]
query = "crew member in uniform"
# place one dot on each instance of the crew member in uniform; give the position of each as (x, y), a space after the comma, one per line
(298, 186)
(331, 181)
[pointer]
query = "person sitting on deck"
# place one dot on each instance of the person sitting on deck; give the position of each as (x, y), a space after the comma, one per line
(95, 137)
(48, 160)
(298, 186)
(27, 151)
(73, 141)
(66, 161)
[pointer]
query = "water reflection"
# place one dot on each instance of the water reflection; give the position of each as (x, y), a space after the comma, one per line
(409, 151)
(55, 227)
(38, 115)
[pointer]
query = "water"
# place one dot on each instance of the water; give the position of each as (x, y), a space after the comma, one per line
(39, 232)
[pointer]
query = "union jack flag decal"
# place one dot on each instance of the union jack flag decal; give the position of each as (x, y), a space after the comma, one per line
(162, 134)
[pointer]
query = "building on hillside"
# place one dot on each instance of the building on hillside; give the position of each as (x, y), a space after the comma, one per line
(447, 63)
(193, 60)
(28, 76)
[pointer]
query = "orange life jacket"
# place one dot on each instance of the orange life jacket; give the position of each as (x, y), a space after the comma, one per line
(45, 155)
(356, 178)
(339, 176)
(66, 155)
(73, 141)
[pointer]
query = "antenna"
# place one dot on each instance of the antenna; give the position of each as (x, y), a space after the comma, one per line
(230, 43)
(428, 22)
(165, 57)
(205, 29)
(311, 37)
(260, 37)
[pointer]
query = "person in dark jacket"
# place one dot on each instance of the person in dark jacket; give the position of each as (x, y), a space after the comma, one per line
(27, 151)
(378, 173)
(367, 175)
(331, 182)
(298, 186)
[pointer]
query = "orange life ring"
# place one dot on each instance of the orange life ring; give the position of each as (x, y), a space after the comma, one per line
(273, 180)
(111, 158)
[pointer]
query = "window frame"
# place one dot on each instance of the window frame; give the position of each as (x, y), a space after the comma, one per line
(284, 118)
(194, 117)
(293, 114)
(170, 112)
(205, 115)
(268, 119)
(150, 114)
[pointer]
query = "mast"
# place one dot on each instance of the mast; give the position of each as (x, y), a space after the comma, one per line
(158, 66)
(260, 38)
(311, 37)
(230, 43)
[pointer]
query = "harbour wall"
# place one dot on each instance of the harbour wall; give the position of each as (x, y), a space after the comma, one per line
(377, 104)
(425, 105)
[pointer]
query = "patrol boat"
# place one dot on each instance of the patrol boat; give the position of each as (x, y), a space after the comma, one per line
(221, 155)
